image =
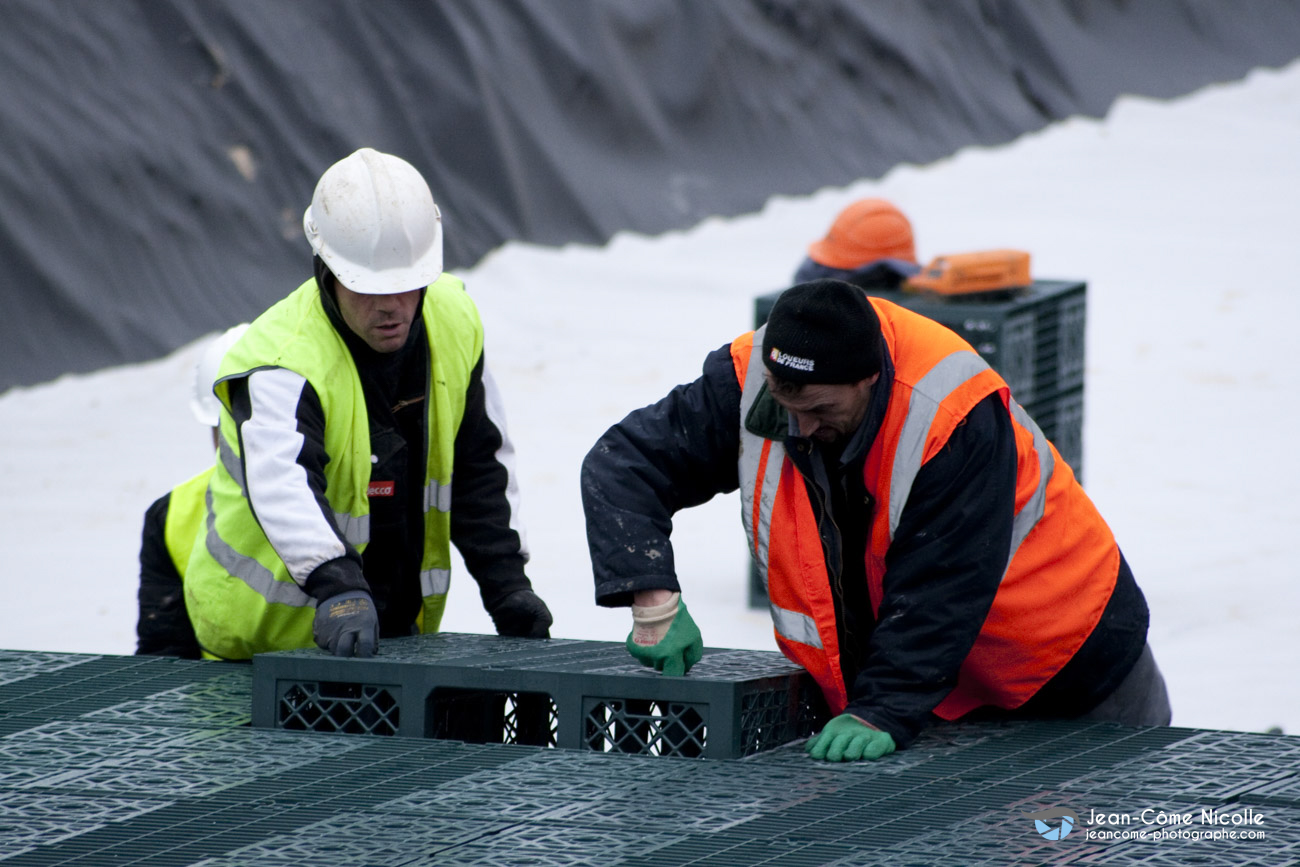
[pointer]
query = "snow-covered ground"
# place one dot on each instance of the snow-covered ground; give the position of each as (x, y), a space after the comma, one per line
(1182, 216)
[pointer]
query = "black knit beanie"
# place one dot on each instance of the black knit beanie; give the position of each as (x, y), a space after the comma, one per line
(822, 332)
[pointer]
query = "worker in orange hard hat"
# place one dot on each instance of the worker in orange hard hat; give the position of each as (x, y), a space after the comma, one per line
(870, 244)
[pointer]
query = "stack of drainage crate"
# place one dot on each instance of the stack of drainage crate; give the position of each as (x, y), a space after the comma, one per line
(1033, 336)
(583, 695)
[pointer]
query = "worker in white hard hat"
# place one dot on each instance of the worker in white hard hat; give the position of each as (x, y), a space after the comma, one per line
(171, 524)
(361, 435)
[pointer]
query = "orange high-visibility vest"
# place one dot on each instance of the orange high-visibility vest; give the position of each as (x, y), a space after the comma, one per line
(1061, 565)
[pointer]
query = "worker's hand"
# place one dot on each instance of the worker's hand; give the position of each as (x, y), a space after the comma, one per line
(665, 637)
(847, 739)
(347, 623)
(522, 614)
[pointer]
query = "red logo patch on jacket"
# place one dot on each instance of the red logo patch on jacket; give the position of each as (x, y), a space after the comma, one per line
(381, 489)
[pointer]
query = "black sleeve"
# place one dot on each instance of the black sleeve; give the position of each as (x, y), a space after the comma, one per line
(941, 574)
(335, 575)
(164, 627)
(670, 455)
(484, 520)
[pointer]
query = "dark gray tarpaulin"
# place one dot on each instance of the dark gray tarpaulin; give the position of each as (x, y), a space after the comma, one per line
(156, 155)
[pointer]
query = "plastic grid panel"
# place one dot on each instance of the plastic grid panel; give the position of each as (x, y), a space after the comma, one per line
(1282, 793)
(217, 702)
(44, 741)
(549, 845)
(706, 850)
(94, 683)
(776, 808)
(371, 837)
(684, 810)
(585, 656)
(458, 647)
(619, 789)
(1206, 768)
(282, 804)
(180, 835)
(483, 798)
(16, 665)
(735, 665)
(932, 744)
(40, 819)
(599, 768)
(993, 837)
(149, 761)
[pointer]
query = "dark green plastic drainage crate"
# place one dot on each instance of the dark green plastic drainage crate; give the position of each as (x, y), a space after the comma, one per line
(584, 695)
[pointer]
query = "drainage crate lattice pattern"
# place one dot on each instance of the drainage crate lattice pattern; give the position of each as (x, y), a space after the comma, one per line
(138, 762)
(586, 695)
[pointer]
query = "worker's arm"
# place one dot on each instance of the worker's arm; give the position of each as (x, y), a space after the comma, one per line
(673, 454)
(164, 626)
(282, 442)
(941, 574)
(485, 521)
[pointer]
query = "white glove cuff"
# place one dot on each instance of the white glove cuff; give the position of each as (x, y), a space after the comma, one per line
(650, 622)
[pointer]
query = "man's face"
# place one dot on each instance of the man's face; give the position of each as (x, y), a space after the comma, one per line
(826, 413)
(382, 321)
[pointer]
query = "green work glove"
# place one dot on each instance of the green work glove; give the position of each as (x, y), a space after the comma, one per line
(665, 637)
(847, 739)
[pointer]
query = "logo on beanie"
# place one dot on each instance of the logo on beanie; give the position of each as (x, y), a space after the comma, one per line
(793, 362)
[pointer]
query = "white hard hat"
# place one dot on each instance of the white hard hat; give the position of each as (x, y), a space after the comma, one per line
(372, 220)
(206, 407)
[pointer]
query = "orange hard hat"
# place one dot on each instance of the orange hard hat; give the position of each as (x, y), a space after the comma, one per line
(867, 230)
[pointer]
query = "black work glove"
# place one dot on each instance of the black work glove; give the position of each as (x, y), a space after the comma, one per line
(522, 614)
(347, 623)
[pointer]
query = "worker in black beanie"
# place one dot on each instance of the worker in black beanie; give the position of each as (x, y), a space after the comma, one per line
(927, 553)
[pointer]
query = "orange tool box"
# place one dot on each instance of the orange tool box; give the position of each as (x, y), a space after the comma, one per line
(966, 273)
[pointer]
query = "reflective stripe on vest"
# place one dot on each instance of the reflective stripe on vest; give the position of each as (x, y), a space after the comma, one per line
(248, 570)
(1029, 516)
(945, 378)
(760, 471)
(437, 496)
(435, 582)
